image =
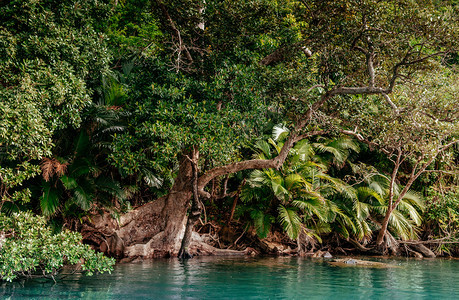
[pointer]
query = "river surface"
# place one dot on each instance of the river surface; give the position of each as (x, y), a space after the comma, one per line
(251, 278)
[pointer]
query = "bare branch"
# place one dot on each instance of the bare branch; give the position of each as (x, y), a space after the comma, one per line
(414, 175)
(392, 181)
(386, 96)
(181, 46)
(361, 49)
(449, 120)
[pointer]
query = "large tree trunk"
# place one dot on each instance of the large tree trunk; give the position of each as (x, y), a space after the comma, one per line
(152, 230)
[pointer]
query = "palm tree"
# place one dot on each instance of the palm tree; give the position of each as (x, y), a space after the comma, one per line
(298, 195)
(368, 209)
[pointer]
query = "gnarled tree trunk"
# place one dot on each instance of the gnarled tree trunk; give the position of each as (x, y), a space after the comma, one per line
(152, 230)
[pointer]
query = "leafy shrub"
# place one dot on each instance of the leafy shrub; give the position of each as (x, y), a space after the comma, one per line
(442, 213)
(28, 248)
(442, 219)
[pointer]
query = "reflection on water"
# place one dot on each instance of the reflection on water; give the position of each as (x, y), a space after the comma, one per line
(252, 278)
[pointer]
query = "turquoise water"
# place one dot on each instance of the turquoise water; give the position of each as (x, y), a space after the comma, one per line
(252, 278)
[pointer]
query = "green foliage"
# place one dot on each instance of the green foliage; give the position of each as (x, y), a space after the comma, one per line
(134, 29)
(28, 248)
(442, 214)
(220, 115)
(442, 218)
(84, 181)
(48, 58)
(52, 58)
(305, 199)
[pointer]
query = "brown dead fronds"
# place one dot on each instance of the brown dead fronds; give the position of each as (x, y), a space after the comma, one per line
(51, 167)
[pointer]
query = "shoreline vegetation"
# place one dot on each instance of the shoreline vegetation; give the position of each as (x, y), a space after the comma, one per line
(141, 129)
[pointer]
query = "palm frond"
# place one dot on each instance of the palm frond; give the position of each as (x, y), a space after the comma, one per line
(259, 178)
(290, 221)
(339, 185)
(82, 198)
(311, 206)
(293, 181)
(69, 183)
(321, 228)
(265, 149)
(80, 167)
(362, 210)
(303, 151)
(414, 199)
(277, 147)
(338, 154)
(366, 194)
(49, 200)
(362, 229)
(262, 222)
(112, 129)
(411, 206)
(344, 143)
(279, 190)
(402, 226)
(280, 132)
(110, 186)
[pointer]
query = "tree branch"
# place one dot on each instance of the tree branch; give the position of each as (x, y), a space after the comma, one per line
(292, 139)
(414, 175)
(275, 162)
(392, 182)
(405, 62)
(391, 103)
(178, 36)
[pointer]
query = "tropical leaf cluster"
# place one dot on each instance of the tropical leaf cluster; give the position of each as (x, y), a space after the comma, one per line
(304, 199)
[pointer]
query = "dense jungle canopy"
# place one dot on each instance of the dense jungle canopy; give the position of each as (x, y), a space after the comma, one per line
(309, 123)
